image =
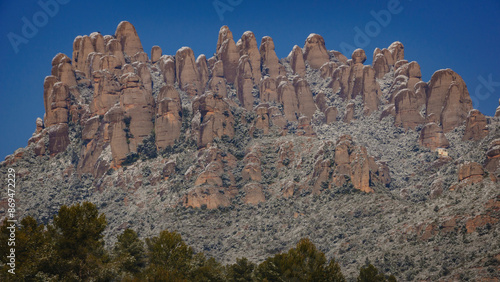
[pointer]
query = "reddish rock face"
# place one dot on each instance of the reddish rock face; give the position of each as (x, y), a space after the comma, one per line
(297, 63)
(492, 162)
(106, 92)
(228, 53)
(168, 117)
(244, 83)
(156, 54)
(287, 97)
(349, 113)
(350, 162)
(327, 69)
(476, 126)
(304, 97)
(315, 52)
(167, 66)
(217, 83)
(128, 38)
(253, 194)
(270, 63)
(215, 118)
(408, 109)
(247, 45)
(358, 56)
(58, 138)
(201, 64)
(470, 172)
(380, 65)
(432, 137)
(56, 96)
(448, 99)
(138, 105)
(268, 89)
(187, 72)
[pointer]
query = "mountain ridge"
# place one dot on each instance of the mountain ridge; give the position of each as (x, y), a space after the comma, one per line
(203, 139)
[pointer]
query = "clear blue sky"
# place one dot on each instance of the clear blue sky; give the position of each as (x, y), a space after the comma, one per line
(461, 35)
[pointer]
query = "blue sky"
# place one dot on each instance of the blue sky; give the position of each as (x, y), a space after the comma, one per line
(461, 35)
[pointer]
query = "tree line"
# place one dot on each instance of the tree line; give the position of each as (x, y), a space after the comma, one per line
(72, 249)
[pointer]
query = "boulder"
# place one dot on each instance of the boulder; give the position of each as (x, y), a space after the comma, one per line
(349, 112)
(331, 114)
(476, 126)
(315, 52)
(470, 172)
(253, 194)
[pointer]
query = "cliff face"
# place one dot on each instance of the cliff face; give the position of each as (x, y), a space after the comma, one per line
(244, 149)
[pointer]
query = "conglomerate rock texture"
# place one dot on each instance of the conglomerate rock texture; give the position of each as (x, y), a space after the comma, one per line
(244, 154)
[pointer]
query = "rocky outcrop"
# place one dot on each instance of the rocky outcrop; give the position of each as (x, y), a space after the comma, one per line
(297, 63)
(201, 64)
(253, 194)
(348, 162)
(156, 54)
(128, 38)
(269, 61)
(187, 72)
(227, 53)
(213, 117)
(492, 162)
(349, 113)
(107, 91)
(247, 45)
(138, 108)
(432, 137)
(217, 83)
(315, 52)
(448, 99)
(304, 97)
(167, 67)
(408, 108)
(244, 82)
(470, 172)
(385, 59)
(57, 101)
(476, 126)
(288, 98)
(168, 117)
(268, 89)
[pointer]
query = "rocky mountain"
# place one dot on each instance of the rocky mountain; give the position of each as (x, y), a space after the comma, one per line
(244, 153)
